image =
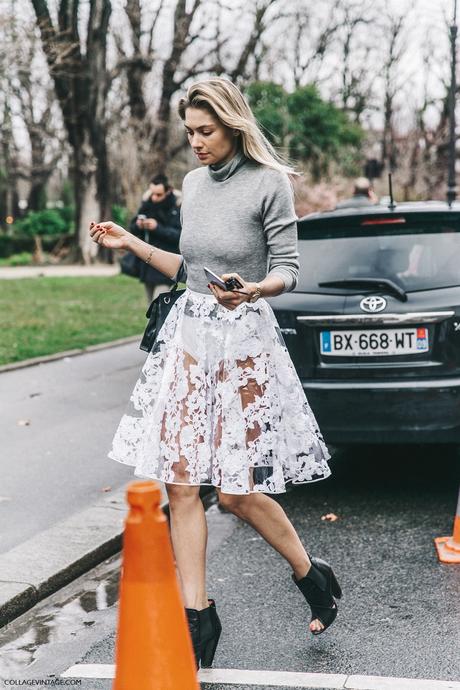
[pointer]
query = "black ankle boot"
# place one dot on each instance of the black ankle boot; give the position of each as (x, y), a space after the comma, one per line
(210, 630)
(319, 587)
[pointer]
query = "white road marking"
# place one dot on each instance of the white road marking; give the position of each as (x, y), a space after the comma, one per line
(280, 679)
(90, 671)
(331, 681)
(388, 683)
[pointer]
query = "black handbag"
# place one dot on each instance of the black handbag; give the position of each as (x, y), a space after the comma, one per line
(130, 265)
(156, 314)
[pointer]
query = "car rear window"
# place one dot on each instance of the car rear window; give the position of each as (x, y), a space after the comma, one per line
(416, 258)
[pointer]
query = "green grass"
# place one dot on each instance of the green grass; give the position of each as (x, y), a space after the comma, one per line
(41, 316)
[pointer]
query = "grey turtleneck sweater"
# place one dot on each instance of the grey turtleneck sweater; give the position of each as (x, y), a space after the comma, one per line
(238, 217)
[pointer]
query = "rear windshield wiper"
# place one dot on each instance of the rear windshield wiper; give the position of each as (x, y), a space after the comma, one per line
(383, 284)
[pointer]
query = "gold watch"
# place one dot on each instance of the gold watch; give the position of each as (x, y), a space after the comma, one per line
(256, 294)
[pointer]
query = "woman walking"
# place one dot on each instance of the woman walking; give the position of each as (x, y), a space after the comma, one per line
(218, 400)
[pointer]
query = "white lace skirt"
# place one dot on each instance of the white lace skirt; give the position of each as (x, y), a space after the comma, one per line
(219, 402)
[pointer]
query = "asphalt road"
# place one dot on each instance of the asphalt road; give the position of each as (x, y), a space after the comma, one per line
(56, 424)
(400, 615)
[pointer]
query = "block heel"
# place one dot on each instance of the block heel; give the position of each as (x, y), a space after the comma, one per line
(319, 587)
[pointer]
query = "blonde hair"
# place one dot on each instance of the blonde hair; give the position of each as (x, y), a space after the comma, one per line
(223, 99)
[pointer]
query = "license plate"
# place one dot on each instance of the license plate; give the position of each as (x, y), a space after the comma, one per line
(391, 341)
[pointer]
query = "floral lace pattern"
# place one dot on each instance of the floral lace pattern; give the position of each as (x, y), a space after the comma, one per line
(219, 402)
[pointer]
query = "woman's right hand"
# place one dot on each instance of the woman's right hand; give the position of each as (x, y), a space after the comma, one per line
(109, 235)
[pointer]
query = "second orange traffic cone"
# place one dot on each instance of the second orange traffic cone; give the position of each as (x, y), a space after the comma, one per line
(153, 650)
(448, 548)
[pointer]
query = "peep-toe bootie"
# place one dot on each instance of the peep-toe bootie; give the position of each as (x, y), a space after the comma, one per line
(319, 587)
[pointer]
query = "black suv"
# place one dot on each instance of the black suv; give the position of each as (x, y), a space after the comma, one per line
(373, 327)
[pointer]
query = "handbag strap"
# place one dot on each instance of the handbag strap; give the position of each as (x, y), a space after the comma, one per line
(154, 302)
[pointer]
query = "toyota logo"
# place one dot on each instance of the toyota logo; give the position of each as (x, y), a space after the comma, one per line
(373, 304)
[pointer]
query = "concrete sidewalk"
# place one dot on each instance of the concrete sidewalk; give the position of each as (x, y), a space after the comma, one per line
(13, 272)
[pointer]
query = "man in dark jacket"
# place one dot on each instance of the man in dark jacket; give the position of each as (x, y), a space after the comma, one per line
(363, 195)
(158, 223)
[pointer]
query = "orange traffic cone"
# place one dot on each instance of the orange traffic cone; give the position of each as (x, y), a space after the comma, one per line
(154, 649)
(448, 548)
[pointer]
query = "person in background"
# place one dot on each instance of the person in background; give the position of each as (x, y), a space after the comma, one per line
(158, 223)
(363, 195)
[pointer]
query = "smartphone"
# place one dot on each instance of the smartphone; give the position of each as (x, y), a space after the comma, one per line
(230, 284)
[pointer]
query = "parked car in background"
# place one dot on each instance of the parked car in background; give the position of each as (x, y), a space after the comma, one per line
(373, 327)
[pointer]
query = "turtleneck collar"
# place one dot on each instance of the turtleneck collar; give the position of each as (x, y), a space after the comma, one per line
(222, 171)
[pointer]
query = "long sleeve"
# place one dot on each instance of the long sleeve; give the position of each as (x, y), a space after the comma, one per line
(280, 228)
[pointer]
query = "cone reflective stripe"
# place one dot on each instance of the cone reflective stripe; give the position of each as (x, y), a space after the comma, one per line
(153, 649)
(448, 548)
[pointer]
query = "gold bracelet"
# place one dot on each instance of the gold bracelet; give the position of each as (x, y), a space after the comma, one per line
(256, 294)
(147, 260)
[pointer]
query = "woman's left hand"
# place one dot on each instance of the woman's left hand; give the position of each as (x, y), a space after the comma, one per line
(232, 298)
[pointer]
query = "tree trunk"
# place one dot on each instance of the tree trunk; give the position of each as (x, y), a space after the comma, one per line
(87, 206)
(37, 256)
(160, 141)
(89, 211)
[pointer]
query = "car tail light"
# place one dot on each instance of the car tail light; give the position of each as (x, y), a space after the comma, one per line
(383, 221)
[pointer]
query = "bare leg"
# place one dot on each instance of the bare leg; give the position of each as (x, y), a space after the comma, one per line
(189, 530)
(189, 536)
(271, 522)
(260, 511)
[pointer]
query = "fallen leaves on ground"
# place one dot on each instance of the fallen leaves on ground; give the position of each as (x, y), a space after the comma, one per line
(330, 517)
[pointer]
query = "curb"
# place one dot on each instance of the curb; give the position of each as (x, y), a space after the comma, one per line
(69, 353)
(51, 559)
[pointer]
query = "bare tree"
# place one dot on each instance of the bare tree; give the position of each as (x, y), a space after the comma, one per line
(357, 51)
(419, 169)
(312, 40)
(9, 162)
(395, 45)
(78, 68)
(171, 81)
(9, 153)
(36, 101)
